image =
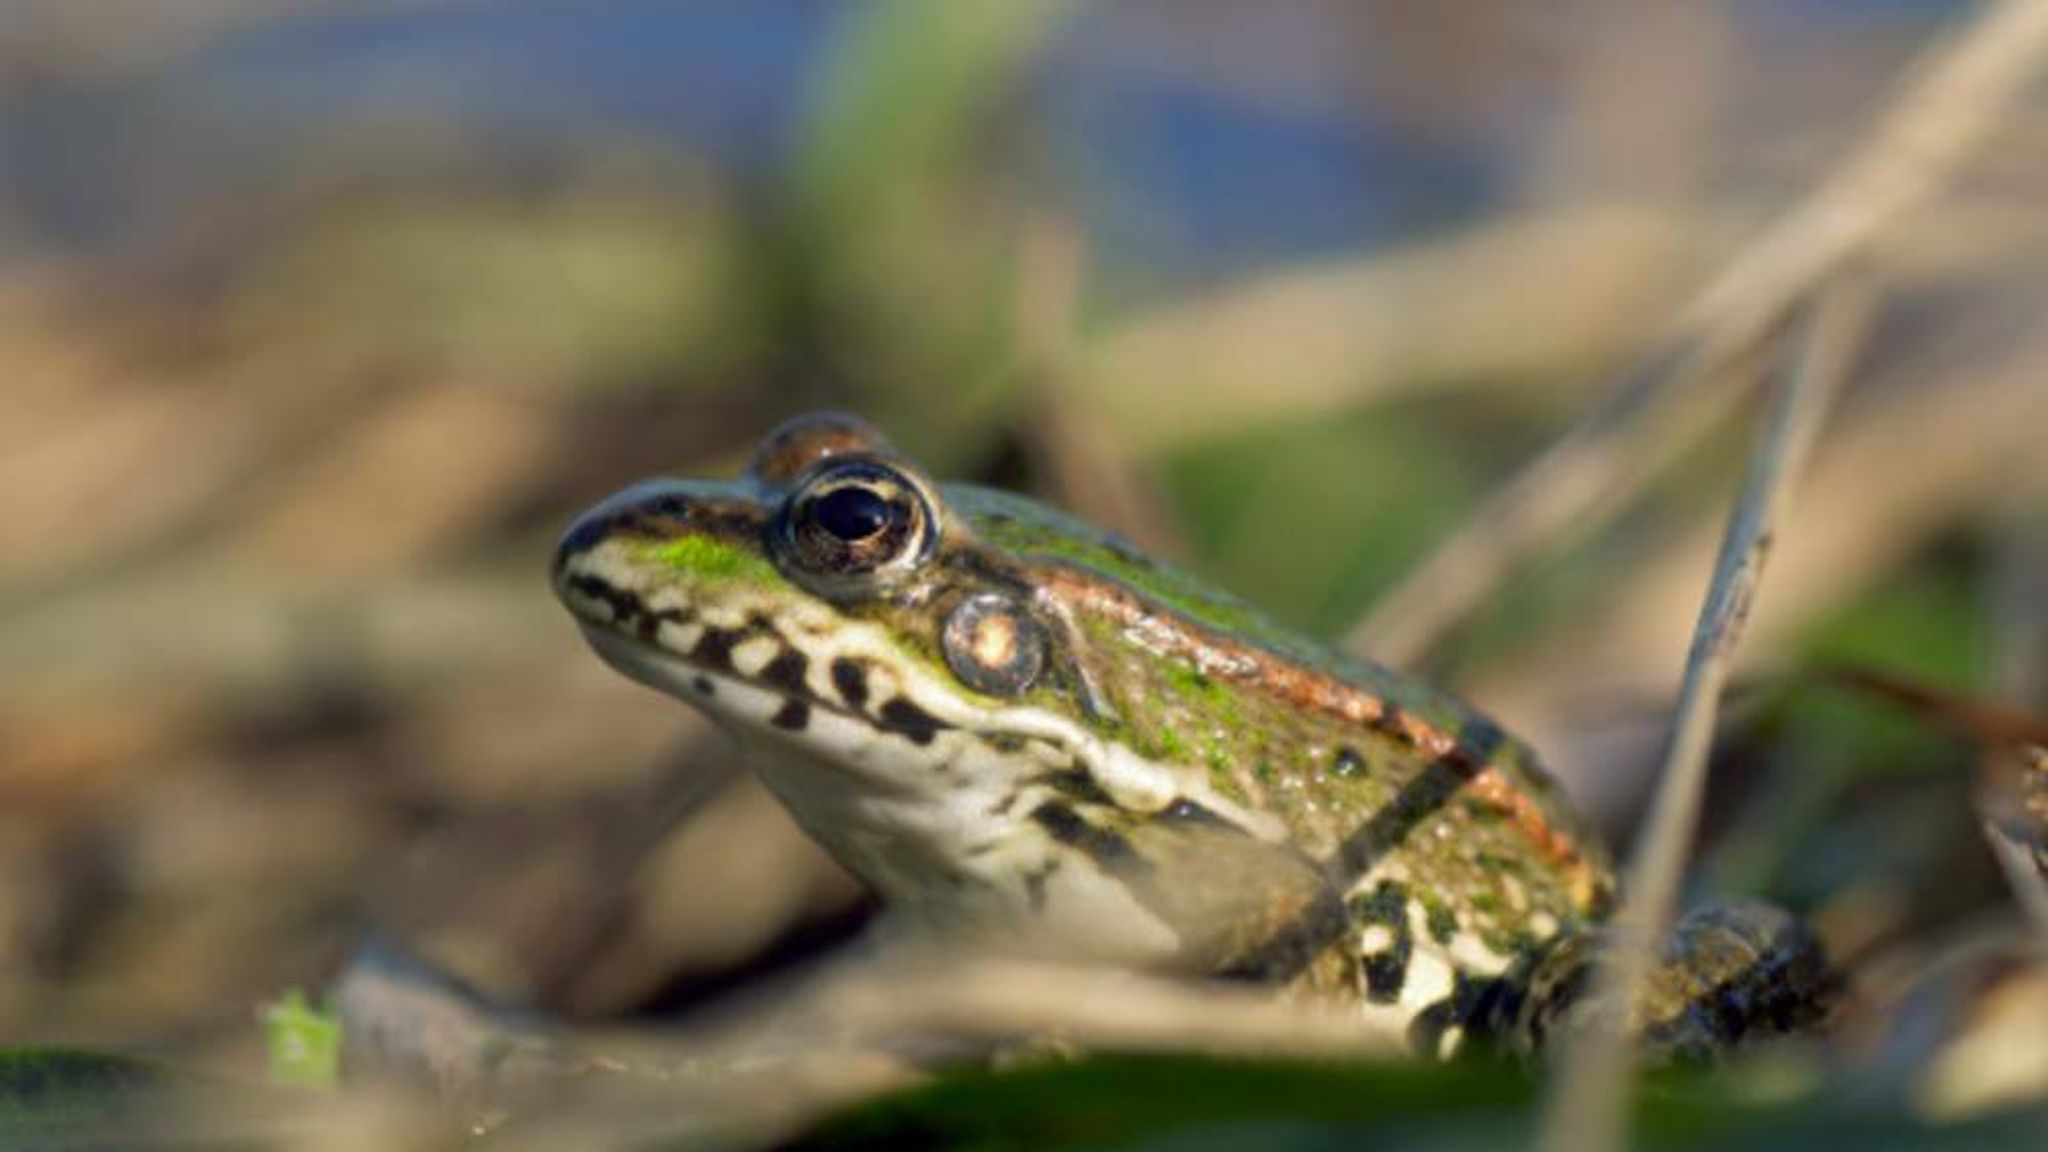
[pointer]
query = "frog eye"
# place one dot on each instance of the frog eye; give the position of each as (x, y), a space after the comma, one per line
(993, 645)
(855, 523)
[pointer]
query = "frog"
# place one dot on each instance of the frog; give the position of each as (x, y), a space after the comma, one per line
(1009, 723)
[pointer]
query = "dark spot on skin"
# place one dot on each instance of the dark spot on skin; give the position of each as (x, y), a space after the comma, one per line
(1105, 847)
(1487, 1006)
(703, 685)
(850, 679)
(1385, 971)
(1349, 763)
(1478, 1004)
(786, 672)
(794, 715)
(1298, 944)
(1426, 1029)
(909, 721)
(714, 648)
(1077, 784)
(1420, 798)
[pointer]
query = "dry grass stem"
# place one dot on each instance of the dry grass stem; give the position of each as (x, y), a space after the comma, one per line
(1586, 1110)
(1474, 307)
(791, 1054)
(1958, 96)
(996, 1002)
(1962, 409)
(835, 1034)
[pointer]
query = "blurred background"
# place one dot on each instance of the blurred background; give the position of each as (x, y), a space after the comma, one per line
(318, 320)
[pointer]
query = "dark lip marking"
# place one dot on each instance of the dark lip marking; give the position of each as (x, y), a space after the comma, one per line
(1105, 847)
(630, 614)
(794, 715)
(703, 685)
(909, 721)
(850, 680)
(787, 672)
(625, 605)
(714, 648)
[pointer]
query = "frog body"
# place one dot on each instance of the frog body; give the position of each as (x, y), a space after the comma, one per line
(1005, 720)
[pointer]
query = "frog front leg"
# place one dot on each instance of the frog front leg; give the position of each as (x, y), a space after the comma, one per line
(1730, 974)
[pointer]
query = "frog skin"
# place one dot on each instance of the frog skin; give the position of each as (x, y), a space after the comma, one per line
(1005, 721)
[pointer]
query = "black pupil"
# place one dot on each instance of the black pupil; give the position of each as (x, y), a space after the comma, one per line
(852, 513)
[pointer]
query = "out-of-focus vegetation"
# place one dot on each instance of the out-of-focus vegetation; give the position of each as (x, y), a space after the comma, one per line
(317, 321)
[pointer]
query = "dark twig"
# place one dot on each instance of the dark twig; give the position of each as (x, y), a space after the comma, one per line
(1586, 1109)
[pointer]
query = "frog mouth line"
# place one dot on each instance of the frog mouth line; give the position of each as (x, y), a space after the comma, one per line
(631, 641)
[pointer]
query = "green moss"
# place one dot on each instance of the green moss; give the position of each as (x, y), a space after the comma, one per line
(1443, 923)
(1168, 745)
(709, 559)
(1198, 689)
(304, 1042)
(1023, 526)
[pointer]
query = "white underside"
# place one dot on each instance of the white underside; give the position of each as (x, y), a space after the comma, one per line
(916, 822)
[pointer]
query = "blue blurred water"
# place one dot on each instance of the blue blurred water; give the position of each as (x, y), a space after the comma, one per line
(1176, 173)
